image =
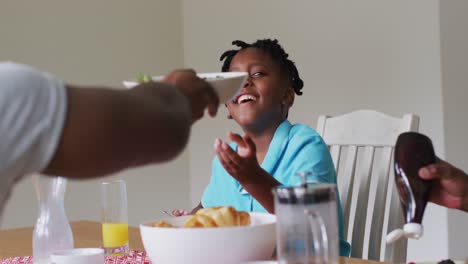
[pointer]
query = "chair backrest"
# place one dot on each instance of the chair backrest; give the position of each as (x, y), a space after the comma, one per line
(361, 144)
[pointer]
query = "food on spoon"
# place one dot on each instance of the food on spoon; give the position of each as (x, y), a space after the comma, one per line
(144, 78)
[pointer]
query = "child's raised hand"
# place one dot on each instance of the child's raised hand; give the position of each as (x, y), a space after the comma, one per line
(243, 164)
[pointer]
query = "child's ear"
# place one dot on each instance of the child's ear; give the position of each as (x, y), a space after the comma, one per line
(288, 97)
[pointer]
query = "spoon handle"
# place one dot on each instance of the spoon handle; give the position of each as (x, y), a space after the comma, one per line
(166, 212)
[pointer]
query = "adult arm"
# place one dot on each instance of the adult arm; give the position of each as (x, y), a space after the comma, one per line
(107, 130)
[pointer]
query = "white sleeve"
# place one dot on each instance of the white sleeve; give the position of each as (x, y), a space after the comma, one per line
(32, 116)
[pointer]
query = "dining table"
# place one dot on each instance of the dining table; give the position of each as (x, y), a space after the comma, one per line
(18, 242)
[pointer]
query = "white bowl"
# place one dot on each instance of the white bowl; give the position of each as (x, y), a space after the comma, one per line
(210, 245)
(226, 84)
(79, 256)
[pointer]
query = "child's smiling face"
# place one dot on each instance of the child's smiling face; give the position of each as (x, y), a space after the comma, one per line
(263, 99)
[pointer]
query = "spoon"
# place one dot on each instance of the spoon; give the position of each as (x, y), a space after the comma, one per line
(169, 214)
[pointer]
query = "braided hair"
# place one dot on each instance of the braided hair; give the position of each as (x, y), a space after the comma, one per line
(277, 54)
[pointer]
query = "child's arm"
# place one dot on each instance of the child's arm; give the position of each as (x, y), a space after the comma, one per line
(196, 208)
(244, 167)
(260, 188)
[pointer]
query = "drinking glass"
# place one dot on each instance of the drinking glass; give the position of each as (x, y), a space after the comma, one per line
(114, 218)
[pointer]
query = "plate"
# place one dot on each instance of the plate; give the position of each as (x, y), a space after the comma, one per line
(79, 255)
(226, 84)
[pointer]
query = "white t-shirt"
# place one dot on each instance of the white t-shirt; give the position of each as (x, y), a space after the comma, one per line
(32, 114)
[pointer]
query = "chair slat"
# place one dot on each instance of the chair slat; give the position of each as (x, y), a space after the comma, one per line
(360, 192)
(395, 252)
(378, 194)
(335, 152)
(345, 183)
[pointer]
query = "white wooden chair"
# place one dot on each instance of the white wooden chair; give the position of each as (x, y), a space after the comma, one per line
(361, 144)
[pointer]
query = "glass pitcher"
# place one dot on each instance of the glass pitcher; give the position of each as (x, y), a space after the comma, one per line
(307, 224)
(52, 231)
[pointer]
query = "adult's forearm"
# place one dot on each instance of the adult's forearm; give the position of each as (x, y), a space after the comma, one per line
(109, 130)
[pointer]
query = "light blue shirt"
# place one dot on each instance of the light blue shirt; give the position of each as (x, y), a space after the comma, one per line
(294, 148)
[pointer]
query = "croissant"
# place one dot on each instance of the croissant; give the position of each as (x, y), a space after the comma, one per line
(220, 216)
(161, 224)
(244, 218)
(200, 221)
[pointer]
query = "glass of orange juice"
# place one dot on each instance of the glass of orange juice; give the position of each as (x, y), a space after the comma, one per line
(114, 218)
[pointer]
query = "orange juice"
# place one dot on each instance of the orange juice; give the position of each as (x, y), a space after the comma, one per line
(114, 234)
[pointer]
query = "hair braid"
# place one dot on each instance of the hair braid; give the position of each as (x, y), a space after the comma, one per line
(277, 54)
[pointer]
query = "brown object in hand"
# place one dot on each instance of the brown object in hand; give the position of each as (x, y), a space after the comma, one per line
(412, 152)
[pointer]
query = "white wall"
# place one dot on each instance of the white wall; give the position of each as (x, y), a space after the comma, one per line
(383, 55)
(98, 42)
(454, 44)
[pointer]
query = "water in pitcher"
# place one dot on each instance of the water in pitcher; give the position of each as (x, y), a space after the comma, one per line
(52, 231)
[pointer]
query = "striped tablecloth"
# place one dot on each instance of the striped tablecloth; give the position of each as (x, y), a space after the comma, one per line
(134, 257)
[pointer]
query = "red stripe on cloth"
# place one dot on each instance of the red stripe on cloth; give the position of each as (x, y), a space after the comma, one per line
(134, 257)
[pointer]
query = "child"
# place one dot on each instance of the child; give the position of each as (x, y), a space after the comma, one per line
(272, 150)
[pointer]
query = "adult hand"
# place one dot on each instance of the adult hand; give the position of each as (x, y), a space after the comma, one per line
(450, 188)
(199, 92)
